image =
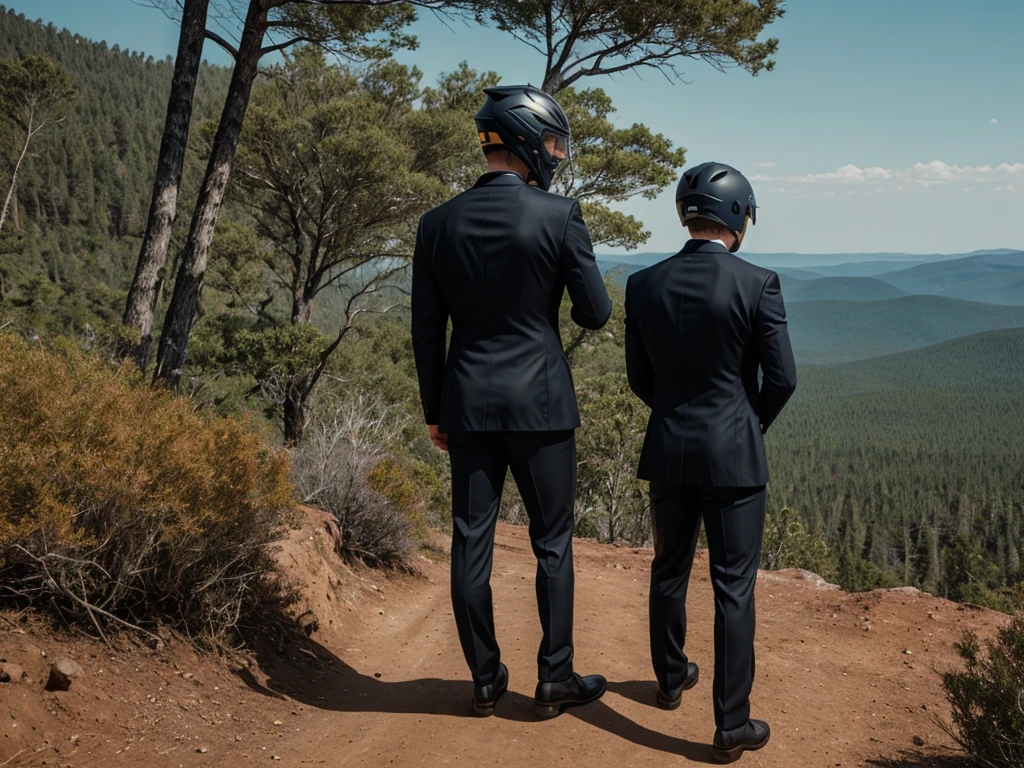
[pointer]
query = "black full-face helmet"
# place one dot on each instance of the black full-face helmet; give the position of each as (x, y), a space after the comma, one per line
(521, 118)
(718, 192)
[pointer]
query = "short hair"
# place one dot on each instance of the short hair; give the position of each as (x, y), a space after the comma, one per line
(490, 149)
(710, 226)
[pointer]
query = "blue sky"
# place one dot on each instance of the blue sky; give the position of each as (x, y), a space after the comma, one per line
(887, 125)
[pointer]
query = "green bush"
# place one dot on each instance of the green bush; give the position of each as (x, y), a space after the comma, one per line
(120, 504)
(787, 544)
(971, 576)
(987, 698)
(407, 485)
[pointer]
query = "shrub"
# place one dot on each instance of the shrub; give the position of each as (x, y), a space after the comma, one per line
(787, 544)
(971, 576)
(987, 698)
(406, 484)
(120, 504)
(344, 467)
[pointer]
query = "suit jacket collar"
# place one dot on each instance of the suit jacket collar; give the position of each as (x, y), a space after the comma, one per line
(704, 246)
(499, 178)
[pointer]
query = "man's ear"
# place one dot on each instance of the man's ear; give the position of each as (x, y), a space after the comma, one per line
(741, 234)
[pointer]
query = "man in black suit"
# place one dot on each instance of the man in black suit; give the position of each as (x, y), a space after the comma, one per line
(497, 260)
(699, 325)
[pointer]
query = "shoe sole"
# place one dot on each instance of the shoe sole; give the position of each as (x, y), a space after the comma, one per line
(547, 710)
(486, 708)
(732, 755)
(669, 704)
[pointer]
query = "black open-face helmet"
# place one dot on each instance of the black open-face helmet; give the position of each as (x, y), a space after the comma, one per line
(718, 192)
(519, 118)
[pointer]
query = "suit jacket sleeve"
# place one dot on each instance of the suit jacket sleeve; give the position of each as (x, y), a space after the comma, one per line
(429, 330)
(639, 369)
(775, 352)
(591, 306)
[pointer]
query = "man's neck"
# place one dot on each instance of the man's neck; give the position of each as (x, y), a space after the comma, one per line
(711, 238)
(502, 168)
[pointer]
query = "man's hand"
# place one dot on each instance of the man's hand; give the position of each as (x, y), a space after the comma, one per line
(438, 439)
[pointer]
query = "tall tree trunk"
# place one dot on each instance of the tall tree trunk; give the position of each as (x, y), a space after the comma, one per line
(189, 283)
(906, 550)
(302, 305)
(294, 415)
(14, 176)
(15, 218)
(142, 296)
(553, 82)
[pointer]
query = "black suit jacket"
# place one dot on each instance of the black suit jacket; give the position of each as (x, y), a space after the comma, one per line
(497, 260)
(698, 326)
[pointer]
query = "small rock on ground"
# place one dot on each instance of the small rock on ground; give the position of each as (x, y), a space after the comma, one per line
(62, 673)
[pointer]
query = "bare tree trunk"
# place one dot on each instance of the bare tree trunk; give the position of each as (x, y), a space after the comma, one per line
(906, 550)
(16, 220)
(189, 283)
(612, 520)
(302, 302)
(294, 415)
(14, 176)
(142, 296)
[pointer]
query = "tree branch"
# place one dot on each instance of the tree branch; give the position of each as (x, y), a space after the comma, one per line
(525, 41)
(615, 48)
(350, 316)
(232, 51)
(651, 60)
(287, 44)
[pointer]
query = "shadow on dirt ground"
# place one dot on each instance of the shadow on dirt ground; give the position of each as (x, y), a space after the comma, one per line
(315, 677)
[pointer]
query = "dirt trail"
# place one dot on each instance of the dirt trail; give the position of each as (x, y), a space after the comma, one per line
(844, 680)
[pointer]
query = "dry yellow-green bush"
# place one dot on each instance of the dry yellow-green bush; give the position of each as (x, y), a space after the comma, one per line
(398, 482)
(119, 503)
(344, 467)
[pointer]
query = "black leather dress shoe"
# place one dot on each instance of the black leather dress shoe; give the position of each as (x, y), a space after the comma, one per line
(486, 696)
(730, 745)
(552, 698)
(672, 699)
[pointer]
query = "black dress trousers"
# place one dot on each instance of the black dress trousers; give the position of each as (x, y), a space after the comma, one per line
(734, 522)
(543, 466)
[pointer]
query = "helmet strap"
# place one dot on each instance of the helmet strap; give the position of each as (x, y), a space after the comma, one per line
(741, 234)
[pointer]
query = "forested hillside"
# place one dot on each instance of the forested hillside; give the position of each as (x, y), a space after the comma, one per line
(996, 278)
(894, 458)
(837, 289)
(69, 250)
(828, 332)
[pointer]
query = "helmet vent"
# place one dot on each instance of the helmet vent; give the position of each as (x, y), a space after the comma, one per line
(735, 207)
(719, 175)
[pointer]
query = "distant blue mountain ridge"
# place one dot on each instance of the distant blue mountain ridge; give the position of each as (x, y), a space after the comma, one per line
(993, 276)
(824, 263)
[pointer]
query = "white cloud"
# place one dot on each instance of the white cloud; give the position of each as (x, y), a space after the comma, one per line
(769, 164)
(921, 175)
(993, 121)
